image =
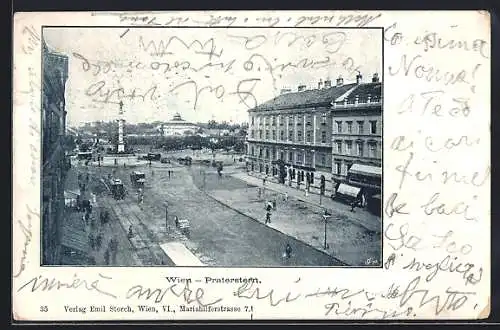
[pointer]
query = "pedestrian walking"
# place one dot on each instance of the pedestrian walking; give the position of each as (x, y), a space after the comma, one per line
(268, 217)
(98, 240)
(169, 174)
(286, 196)
(130, 232)
(288, 251)
(353, 205)
(92, 241)
(274, 204)
(113, 247)
(106, 257)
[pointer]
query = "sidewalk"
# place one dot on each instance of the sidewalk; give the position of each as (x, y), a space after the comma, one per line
(300, 217)
(361, 217)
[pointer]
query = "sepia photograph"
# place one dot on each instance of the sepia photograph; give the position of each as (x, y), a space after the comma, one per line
(211, 147)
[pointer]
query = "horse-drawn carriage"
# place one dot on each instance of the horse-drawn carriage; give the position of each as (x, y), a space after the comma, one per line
(138, 179)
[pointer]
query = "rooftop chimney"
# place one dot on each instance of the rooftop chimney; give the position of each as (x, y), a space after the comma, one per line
(375, 77)
(359, 77)
(328, 83)
(302, 88)
(320, 84)
(340, 81)
(285, 90)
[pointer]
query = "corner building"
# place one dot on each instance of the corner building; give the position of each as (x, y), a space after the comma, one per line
(294, 129)
(299, 131)
(357, 141)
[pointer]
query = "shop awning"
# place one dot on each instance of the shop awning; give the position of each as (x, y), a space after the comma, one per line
(366, 170)
(348, 190)
(71, 194)
(180, 255)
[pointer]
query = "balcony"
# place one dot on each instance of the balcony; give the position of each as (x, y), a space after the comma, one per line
(361, 103)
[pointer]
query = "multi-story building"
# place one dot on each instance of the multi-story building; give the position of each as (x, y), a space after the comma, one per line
(316, 135)
(54, 162)
(293, 131)
(357, 140)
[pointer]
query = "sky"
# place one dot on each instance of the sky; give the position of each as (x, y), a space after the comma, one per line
(203, 74)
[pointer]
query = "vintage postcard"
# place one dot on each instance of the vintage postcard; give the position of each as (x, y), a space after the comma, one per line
(251, 165)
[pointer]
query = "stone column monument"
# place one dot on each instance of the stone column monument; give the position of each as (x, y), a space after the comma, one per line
(121, 123)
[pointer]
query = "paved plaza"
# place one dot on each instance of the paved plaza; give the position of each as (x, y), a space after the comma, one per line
(220, 209)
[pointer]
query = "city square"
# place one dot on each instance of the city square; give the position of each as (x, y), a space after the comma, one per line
(294, 181)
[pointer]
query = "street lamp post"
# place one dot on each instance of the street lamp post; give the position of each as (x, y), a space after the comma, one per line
(325, 219)
(166, 216)
(204, 179)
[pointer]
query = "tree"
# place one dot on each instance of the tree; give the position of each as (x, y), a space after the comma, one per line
(212, 124)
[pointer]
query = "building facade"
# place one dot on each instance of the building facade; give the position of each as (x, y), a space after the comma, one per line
(177, 126)
(54, 162)
(357, 139)
(311, 138)
(289, 137)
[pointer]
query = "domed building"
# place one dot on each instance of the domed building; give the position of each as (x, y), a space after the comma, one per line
(177, 126)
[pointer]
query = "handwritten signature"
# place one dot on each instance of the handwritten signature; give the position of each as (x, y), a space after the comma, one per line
(26, 230)
(250, 291)
(178, 290)
(42, 283)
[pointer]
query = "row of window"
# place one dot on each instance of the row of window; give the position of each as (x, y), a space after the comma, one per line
(273, 120)
(346, 148)
(291, 136)
(341, 127)
(348, 125)
(297, 156)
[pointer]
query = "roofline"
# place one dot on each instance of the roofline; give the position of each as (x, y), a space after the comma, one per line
(307, 105)
(300, 106)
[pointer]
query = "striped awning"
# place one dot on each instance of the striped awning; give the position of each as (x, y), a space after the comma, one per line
(366, 170)
(348, 190)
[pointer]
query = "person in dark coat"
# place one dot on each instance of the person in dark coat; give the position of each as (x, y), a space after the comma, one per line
(106, 256)
(288, 251)
(98, 240)
(268, 217)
